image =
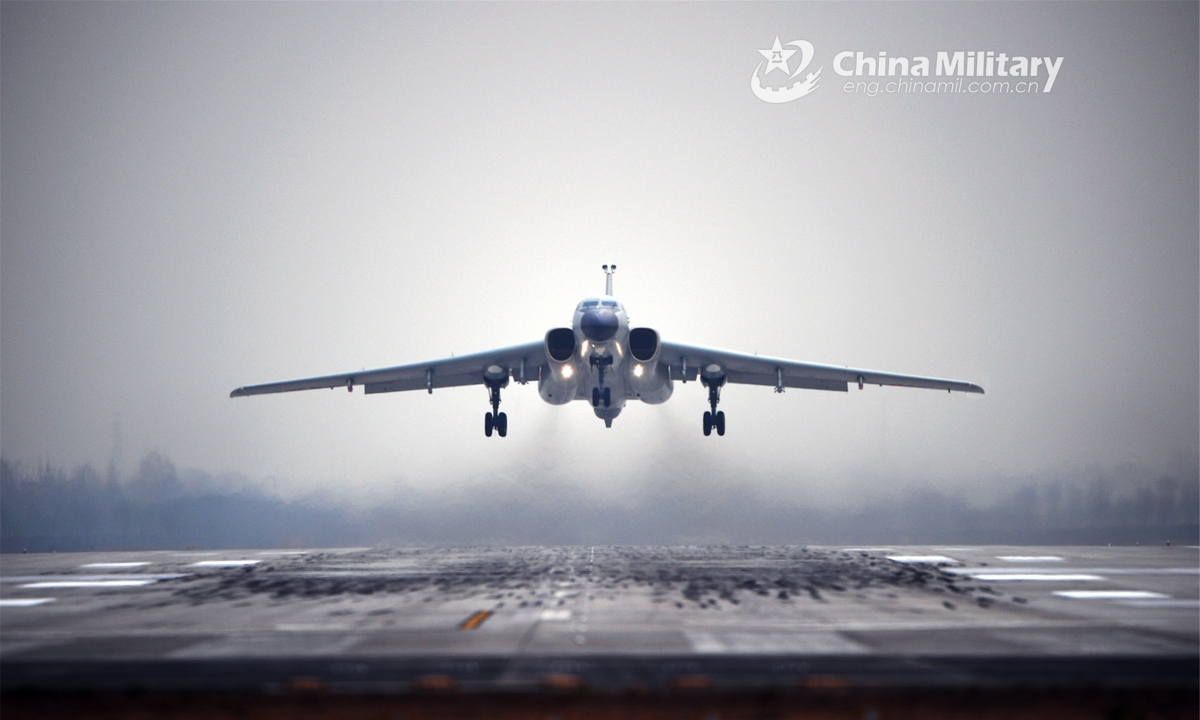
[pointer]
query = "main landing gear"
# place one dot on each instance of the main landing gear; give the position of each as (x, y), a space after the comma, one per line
(495, 420)
(713, 419)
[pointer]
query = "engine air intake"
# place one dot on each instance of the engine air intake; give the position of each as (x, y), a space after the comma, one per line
(560, 344)
(643, 344)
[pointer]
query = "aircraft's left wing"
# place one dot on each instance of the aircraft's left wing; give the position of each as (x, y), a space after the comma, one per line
(522, 362)
(686, 361)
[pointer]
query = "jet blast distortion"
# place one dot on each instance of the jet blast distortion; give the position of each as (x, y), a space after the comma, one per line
(601, 360)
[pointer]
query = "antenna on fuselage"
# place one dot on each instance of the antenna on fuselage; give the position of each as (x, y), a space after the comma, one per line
(608, 273)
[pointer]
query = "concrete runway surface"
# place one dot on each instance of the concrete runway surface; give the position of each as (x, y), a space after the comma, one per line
(662, 628)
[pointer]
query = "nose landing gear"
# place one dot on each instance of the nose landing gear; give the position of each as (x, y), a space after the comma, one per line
(601, 394)
(714, 418)
(495, 420)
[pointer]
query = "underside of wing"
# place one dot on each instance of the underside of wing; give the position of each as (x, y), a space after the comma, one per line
(689, 361)
(521, 362)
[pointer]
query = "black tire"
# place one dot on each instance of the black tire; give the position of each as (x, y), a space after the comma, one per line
(707, 423)
(595, 397)
(502, 424)
(487, 424)
(721, 422)
(607, 397)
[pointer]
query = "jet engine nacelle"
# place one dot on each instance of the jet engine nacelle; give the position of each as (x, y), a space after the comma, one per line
(647, 378)
(560, 382)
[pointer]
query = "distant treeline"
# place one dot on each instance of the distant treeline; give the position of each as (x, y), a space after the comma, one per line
(45, 508)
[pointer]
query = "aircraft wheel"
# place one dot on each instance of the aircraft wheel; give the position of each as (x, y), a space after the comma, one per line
(502, 424)
(707, 423)
(488, 424)
(595, 397)
(607, 396)
(721, 422)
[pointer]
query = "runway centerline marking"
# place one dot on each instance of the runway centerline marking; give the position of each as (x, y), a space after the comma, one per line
(927, 559)
(25, 602)
(1111, 595)
(1042, 577)
(225, 563)
(972, 571)
(88, 583)
(115, 565)
(97, 576)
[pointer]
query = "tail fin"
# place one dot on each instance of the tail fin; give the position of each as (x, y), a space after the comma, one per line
(608, 273)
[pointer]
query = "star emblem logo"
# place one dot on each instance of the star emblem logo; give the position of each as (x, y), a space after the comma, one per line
(769, 88)
(777, 58)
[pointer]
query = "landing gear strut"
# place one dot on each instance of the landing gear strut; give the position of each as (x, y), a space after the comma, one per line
(713, 418)
(495, 419)
(601, 394)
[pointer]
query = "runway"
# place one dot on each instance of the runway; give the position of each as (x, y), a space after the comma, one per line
(603, 619)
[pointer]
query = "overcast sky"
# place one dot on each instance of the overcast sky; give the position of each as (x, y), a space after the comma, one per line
(198, 196)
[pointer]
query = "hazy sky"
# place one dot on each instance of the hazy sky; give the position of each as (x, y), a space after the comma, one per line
(198, 196)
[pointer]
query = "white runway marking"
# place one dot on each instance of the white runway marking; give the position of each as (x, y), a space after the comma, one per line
(772, 642)
(972, 571)
(1030, 558)
(1046, 577)
(115, 565)
(1110, 594)
(1161, 603)
(25, 602)
(556, 614)
(225, 563)
(928, 559)
(87, 583)
(89, 578)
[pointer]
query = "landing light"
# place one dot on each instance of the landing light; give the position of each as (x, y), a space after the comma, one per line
(637, 370)
(583, 348)
(567, 371)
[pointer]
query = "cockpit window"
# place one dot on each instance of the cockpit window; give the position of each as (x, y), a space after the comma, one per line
(609, 303)
(589, 303)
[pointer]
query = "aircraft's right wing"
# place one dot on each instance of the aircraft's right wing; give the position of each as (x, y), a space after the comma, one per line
(757, 370)
(522, 362)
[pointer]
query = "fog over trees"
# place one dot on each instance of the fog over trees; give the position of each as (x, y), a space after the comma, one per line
(48, 508)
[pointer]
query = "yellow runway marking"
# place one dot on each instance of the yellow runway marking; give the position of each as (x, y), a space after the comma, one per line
(475, 620)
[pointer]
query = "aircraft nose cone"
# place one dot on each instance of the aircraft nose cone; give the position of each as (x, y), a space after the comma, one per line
(599, 324)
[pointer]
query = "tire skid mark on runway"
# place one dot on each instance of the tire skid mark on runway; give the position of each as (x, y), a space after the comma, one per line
(538, 578)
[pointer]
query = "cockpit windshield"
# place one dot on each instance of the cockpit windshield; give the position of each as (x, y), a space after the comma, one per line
(588, 304)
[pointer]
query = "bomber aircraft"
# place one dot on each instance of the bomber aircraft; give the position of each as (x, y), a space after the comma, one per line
(601, 360)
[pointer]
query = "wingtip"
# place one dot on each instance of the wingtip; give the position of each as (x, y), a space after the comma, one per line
(237, 393)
